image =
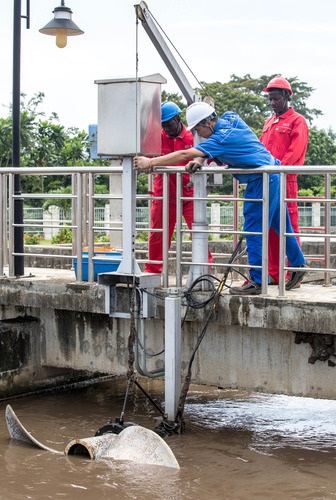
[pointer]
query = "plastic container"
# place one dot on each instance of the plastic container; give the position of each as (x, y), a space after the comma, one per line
(106, 263)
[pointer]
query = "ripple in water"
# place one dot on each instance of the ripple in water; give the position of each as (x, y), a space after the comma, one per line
(273, 421)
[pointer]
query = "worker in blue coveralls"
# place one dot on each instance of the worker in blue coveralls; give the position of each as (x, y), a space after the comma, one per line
(229, 141)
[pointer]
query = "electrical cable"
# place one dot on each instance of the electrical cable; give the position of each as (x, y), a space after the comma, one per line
(165, 427)
(184, 391)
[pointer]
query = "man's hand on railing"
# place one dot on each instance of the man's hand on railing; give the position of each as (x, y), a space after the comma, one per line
(193, 165)
(142, 163)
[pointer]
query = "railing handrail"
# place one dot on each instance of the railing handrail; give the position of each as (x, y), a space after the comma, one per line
(81, 217)
(64, 170)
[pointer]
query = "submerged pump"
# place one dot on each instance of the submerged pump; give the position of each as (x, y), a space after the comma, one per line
(166, 427)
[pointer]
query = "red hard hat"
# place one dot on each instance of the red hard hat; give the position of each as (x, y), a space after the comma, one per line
(278, 82)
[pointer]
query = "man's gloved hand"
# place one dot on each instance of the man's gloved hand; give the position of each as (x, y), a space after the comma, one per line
(193, 165)
(142, 163)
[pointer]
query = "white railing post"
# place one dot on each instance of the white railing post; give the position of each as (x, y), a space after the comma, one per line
(316, 214)
(115, 219)
(282, 237)
(215, 216)
(265, 229)
(50, 218)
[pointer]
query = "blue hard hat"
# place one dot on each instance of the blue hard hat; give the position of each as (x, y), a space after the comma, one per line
(169, 110)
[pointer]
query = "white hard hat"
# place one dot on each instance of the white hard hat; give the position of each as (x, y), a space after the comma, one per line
(197, 112)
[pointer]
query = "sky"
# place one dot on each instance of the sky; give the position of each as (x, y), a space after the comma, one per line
(216, 38)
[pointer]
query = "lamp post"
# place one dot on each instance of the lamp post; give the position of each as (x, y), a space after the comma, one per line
(18, 202)
(61, 27)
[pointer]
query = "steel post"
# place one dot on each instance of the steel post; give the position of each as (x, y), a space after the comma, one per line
(172, 352)
(128, 264)
(18, 202)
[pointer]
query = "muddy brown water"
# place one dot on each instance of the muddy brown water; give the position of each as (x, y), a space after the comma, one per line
(237, 445)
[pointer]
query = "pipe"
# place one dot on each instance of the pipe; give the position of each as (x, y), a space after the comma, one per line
(134, 443)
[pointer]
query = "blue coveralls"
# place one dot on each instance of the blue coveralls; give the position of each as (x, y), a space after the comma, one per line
(234, 144)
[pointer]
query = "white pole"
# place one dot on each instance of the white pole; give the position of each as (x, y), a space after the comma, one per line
(172, 352)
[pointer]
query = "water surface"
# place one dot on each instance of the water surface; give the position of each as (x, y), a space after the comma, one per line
(237, 445)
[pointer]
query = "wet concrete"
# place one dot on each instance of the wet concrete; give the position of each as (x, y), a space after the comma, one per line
(250, 341)
(237, 445)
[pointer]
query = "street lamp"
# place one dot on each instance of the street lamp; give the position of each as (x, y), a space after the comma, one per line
(61, 24)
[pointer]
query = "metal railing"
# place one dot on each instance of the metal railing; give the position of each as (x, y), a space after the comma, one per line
(305, 209)
(84, 224)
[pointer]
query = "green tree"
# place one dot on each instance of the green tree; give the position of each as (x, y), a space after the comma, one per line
(63, 203)
(44, 143)
(142, 189)
(322, 147)
(321, 151)
(5, 142)
(245, 96)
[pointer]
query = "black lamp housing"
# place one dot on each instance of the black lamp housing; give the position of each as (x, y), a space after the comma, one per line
(61, 26)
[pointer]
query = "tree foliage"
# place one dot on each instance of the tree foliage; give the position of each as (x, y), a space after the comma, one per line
(322, 147)
(321, 151)
(245, 96)
(45, 142)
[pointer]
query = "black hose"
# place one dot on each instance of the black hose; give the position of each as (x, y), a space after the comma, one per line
(236, 254)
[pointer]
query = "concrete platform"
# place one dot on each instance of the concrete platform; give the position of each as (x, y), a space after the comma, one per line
(308, 292)
(311, 289)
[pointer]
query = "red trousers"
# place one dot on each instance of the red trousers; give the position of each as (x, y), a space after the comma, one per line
(273, 241)
(155, 239)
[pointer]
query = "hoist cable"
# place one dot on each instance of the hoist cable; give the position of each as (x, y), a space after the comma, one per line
(171, 43)
(136, 82)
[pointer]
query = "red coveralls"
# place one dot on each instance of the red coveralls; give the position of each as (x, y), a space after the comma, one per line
(286, 137)
(169, 144)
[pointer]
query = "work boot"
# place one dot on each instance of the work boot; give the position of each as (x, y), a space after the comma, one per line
(274, 282)
(249, 287)
(296, 277)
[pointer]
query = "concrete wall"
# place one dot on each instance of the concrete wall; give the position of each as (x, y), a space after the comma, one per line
(57, 331)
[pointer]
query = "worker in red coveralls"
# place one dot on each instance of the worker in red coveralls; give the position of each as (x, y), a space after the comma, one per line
(285, 135)
(174, 137)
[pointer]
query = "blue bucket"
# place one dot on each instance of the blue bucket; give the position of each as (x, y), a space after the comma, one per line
(107, 263)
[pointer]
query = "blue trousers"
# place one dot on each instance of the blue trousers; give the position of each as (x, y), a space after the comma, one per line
(253, 222)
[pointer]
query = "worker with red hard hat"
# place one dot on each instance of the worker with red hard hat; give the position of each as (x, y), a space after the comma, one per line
(278, 82)
(174, 137)
(285, 135)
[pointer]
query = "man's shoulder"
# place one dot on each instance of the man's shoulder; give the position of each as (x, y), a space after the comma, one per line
(229, 117)
(294, 115)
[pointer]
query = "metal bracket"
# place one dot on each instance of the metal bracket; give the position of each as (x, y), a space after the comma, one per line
(117, 293)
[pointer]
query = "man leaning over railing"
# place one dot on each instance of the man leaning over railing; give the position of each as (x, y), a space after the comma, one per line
(230, 141)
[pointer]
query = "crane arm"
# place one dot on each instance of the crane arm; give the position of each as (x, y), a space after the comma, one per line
(167, 56)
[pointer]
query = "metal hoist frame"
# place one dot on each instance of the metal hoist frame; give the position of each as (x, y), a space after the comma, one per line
(200, 225)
